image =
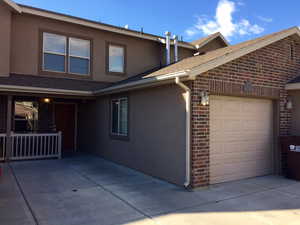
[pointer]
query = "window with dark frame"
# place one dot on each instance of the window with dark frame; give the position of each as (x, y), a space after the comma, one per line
(119, 116)
(116, 59)
(56, 49)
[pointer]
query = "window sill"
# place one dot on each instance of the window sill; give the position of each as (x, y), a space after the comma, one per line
(119, 137)
(65, 75)
(116, 73)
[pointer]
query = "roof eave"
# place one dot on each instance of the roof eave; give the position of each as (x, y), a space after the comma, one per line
(147, 82)
(211, 38)
(241, 52)
(92, 24)
(15, 7)
(39, 90)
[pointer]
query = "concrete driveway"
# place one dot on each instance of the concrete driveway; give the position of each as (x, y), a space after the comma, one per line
(88, 190)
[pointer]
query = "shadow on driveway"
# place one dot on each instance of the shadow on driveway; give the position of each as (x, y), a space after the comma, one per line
(89, 190)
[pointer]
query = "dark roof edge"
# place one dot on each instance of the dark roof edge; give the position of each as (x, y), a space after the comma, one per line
(93, 24)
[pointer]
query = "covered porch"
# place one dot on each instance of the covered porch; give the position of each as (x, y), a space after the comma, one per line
(40, 123)
(38, 127)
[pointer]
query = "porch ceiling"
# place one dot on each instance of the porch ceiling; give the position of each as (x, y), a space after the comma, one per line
(49, 85)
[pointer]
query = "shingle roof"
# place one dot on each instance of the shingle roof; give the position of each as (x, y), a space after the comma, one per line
(191, 62)
(202, 41)
(52, 83)
(188, 64)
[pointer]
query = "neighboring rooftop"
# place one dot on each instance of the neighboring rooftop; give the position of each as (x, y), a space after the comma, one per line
(203, 41)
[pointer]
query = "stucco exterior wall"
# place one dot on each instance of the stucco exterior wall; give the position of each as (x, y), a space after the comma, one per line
(5, 25)
(142, 55)
(156, 144)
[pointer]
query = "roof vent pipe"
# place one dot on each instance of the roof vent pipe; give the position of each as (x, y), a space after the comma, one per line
(175, 48)
(168, 47)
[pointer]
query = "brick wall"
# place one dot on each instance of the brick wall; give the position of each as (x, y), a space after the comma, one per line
(3, 105)
(267, 70)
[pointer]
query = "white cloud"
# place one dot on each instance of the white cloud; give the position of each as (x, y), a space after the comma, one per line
(223, 22)
(265, 19)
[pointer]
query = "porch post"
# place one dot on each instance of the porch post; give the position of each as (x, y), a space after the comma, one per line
(8, 127)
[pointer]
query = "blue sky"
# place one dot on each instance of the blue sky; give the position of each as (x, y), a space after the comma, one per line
(238, 20)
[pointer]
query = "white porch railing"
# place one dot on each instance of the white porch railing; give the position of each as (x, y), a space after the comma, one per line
(35, 146)
(2, 146)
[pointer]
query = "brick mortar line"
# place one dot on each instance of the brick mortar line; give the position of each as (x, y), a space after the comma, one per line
(23, 195)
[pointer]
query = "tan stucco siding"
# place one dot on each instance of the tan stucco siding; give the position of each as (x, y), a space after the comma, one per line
(142, 55)
(5, 25)
(182, 53)
(156, 144)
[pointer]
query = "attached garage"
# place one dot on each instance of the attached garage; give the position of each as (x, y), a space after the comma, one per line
(241, 138)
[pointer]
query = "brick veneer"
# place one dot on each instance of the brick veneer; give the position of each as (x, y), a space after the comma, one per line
(268, 69)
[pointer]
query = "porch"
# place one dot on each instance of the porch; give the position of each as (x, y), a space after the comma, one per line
(33, 127)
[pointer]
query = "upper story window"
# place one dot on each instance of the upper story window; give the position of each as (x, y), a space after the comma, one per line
(55, 50)
(66, 54)
(79, 56)
(116, 59)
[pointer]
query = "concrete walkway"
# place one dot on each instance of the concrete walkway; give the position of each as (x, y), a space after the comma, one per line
(91, 191)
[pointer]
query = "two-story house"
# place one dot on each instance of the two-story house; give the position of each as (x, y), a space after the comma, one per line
(191, 113)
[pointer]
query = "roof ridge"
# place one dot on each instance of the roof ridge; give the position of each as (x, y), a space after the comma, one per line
(192, 62)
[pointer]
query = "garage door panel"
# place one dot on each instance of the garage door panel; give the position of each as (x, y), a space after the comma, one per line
(234, 157)
(241, 133)
(245, 171)
(229, 169)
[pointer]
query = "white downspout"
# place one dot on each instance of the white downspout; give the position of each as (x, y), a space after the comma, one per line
(188, 130)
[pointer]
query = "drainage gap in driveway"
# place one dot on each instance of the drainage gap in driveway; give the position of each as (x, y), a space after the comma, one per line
(74, 190)
(23, 195)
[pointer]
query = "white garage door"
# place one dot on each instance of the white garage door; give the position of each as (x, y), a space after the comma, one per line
(241, 137)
